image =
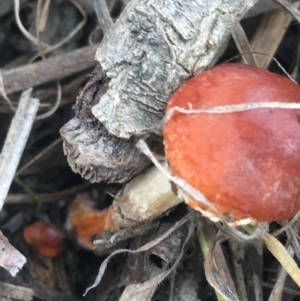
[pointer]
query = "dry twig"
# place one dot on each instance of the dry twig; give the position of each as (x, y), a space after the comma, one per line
(16, 292)
(53, 68)
(242, 44)
(269, 34)
(16, 140)
(103, 15)
(46, 198)
(41, 154)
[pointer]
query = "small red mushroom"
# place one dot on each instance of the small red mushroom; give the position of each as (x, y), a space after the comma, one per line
(85, 221)
(247, 164)
(46, 238)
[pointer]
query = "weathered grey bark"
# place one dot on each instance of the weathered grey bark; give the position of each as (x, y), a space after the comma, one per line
(154, 47)
(98, 156)
(151, 50)
(91, 150)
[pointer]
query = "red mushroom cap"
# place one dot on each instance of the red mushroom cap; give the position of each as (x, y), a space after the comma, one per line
(45, 237)
(246, 163)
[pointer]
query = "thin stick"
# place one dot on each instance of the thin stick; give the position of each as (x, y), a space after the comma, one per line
(290, 8)
(143, 248)
(103, 15)
(41, 25)
(269, 35)
(242, 44)
(56, 105)
(16, 140)
(53, 68)
(45, 47)
(30, 37)
(46, 198)
(38, 156)
(3, 93)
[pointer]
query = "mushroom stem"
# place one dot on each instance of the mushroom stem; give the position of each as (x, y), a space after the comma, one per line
(146, 197)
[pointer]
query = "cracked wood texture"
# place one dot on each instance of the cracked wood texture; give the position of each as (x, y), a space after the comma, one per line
(91, 150)
(153, 47)
(151, 50)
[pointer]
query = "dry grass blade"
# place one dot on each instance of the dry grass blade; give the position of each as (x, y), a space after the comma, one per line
(293, 238)
(44, 16)
(41, 154)
(129, 293)
(277, 291)
(145, 290)
(216, 270)
(16, 140)
(45, 48)
(290, 8)
(254, 260)
(269, 34)
(56, 105)
(281, 254)
(103, 15)
(42, 13)
(25, 32)
(141, 249)
(242, 44)
(76, 29)
(287, 225)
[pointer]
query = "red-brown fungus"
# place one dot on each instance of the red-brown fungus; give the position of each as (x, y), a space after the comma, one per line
(46, 238)
(247, 164)
(85, 221)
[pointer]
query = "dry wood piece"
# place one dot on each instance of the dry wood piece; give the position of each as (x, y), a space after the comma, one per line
(91, 150)
(152, 48)
(99, 156)
(10, 258)
(56, 196)
(269, 34)
(242, 44)
(103, 15)
(16, 292)
(54, 68)
(16, 140)
(238, 254)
